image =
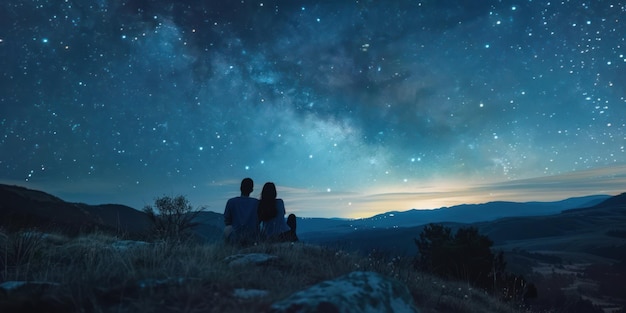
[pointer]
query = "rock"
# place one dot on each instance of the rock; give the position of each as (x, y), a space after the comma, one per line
(124, 245)
(153, 283)
(250, 293)
(250, 258)
(33, 296)
(354, 292)
(31, 285)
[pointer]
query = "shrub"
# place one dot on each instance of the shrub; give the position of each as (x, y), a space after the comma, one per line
(172, 217)
(465, 255)
(18, 250)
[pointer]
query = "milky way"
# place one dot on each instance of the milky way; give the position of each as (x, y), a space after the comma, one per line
(350, 107)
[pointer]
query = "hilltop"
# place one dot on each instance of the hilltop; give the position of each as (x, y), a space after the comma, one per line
(580, 239)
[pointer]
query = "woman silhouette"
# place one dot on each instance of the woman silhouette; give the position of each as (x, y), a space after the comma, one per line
(271, 213)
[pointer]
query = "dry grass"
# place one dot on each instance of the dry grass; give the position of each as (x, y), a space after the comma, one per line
(94, 276)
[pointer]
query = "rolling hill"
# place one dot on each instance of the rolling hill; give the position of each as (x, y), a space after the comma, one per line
(21, 208)
(582, 238)
(597, 231)
(318, 229)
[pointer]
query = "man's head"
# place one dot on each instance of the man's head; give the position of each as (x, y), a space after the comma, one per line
(247, 185)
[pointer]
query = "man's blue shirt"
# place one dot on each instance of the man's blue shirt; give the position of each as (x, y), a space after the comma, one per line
(241, 214)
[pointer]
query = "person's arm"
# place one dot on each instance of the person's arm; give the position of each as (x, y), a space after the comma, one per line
(228, 214)
(280, 207)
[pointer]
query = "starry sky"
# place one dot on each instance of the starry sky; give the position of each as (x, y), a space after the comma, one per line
(352, 108)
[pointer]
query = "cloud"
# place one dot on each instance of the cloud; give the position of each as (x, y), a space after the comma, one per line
(602, 180)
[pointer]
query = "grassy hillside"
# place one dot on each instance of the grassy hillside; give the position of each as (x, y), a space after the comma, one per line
(95, 273)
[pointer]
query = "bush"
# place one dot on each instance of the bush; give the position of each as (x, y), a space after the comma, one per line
(17, 252)
(465, 255)
(172, 218)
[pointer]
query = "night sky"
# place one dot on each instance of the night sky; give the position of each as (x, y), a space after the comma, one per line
(352, 108)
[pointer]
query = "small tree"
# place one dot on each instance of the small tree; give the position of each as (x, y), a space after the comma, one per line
(434, 242)
(465, 255)
(172, 217)
(476, 262)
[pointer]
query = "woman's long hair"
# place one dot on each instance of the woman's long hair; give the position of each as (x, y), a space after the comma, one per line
(267, 205)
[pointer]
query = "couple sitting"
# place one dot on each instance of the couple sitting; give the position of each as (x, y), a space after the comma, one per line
(249, 220)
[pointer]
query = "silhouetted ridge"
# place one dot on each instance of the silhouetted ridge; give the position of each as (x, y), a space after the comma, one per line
(618, 201)
(26, 193)
(22, 208)
(615, 202)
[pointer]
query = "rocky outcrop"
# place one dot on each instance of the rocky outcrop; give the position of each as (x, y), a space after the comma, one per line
(354, 292)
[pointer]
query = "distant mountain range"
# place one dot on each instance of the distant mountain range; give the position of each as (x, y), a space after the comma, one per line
(579, 242)
(593, 227)
(506, 223)
(319, 228)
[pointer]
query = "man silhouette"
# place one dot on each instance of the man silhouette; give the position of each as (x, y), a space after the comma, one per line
(240, 216)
